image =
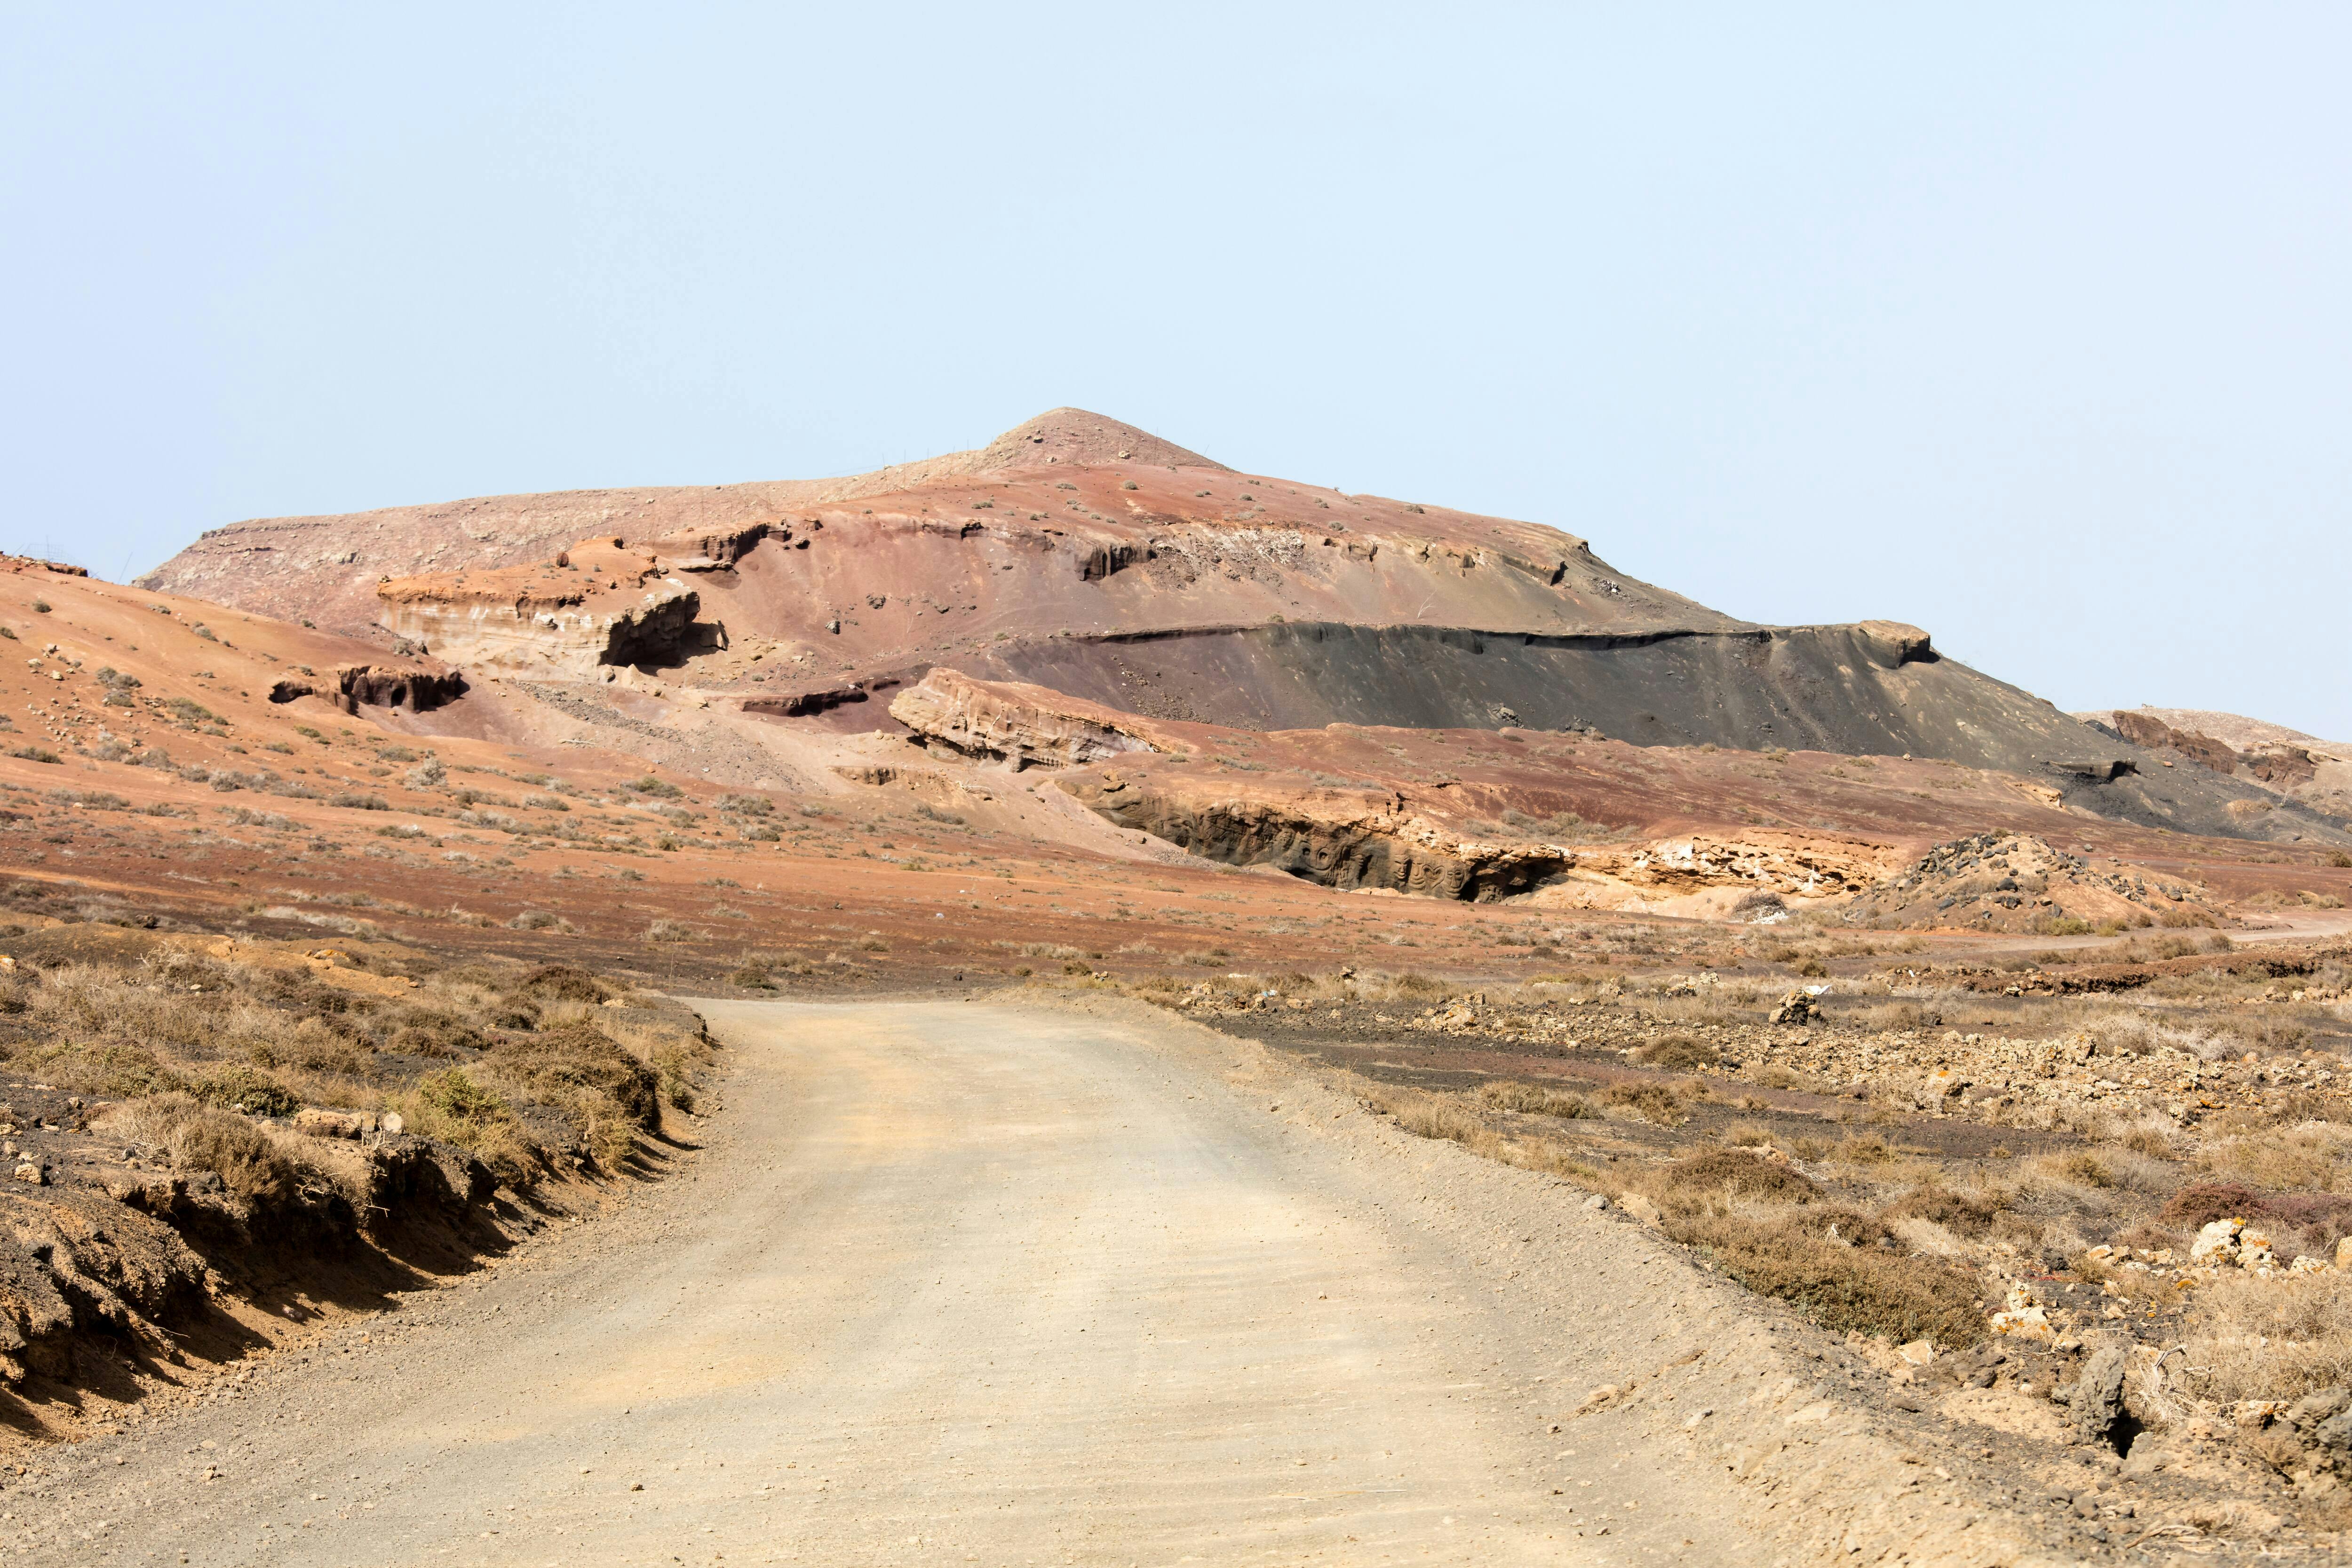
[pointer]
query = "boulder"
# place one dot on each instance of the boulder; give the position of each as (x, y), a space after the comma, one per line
(2098, 1397)
(2217, 1242)
(2332, 1438)
(2315, 1410)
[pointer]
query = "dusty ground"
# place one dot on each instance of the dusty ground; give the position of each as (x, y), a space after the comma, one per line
(960, 1281)
(1084, 1282)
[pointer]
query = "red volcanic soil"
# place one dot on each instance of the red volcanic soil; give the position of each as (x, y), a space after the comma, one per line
(195, 797)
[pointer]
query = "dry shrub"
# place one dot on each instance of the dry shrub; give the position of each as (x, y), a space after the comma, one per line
(1429, 1116)
(1511, 1095)
(604, 1092)
(1965, 1214)
(1896, 1016)
(2321, 1217)
(1851, 1280)
(1652, 1102)
(198, 1137)
(561, 982)
(246, 1089)
(2272, 1339)
(451, 1107)
(2084, 1167)
(1678, 1053)
(1735, 1174)
(1434, 1116)
(674, 1065)
(311, 1047)
(2019, 1230)
(123, 1070)
(2308, 1158)
(437, 1037)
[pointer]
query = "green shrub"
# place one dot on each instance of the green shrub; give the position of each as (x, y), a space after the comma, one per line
(452, 1093)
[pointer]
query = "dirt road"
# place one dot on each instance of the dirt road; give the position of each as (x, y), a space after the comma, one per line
(961, 1283)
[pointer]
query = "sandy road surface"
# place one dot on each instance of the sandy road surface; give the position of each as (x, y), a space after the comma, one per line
(957, 1282)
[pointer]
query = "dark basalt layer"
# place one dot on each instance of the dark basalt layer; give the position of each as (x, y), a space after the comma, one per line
(1853, 690)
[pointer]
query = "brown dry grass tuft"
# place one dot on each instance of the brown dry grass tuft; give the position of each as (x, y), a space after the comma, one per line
(1512, 1095)
(196, 1137)
(555, 1060)
(1654, 1103)
(1678, 1053)
(2272, 1339)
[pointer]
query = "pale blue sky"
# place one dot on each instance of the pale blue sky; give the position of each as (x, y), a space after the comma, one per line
(2029, 324)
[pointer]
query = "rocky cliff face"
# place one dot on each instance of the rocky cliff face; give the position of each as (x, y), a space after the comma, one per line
(600, 603)
(2297, 768)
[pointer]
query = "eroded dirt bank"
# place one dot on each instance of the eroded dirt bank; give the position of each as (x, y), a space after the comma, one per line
(966, 1282)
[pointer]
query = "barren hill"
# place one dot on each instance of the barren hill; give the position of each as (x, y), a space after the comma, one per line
(325, 569)
(1092, 558)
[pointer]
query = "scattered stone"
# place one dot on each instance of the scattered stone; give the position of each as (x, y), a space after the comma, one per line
(2021, 1317)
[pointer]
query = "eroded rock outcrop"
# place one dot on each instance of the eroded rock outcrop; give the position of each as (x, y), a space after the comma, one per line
(1356, 839)
(1024, 724)
(354, 687)
(599, 603)
(1340, 839)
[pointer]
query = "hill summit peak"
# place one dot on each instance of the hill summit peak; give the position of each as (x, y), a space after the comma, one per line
(1077, 435)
